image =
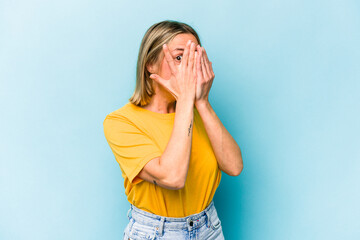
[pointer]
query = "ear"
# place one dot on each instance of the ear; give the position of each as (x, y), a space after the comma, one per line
(151, 68)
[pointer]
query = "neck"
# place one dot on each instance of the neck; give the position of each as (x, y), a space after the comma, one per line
(161, 102)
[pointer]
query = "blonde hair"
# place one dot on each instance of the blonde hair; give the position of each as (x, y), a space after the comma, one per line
(149, 52)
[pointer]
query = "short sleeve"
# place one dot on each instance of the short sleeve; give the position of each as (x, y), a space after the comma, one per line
(131, 147)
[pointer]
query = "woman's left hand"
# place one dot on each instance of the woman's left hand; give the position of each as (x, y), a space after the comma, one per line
(205, 76)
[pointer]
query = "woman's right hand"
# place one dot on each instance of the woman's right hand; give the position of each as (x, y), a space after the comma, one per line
(182, 83)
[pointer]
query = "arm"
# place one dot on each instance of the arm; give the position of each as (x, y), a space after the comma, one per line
(227, 152)
(170, 170)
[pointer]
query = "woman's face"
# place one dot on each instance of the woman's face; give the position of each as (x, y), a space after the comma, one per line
(176, 48)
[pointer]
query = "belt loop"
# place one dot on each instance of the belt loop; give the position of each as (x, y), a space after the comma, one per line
(161, 226)
(208, 219)
(128, 213)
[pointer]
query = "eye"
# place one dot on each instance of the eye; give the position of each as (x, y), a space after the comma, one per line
(178, 57)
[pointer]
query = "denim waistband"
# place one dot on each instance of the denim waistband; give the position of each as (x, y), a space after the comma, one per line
(189, 222)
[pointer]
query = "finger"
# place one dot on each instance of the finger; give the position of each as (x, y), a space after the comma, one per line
(206, 62)
(205, 55)
(211, 70)
(165, 83)
(185, 57)
(191, 57)
(158, 79)
(198, 63)
(209, 64)
(203, 67)
(195, 62)
(169, 59)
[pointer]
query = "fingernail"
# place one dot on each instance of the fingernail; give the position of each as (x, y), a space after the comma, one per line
(188, 42)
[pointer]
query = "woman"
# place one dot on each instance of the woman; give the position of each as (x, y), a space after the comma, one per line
(170, 145)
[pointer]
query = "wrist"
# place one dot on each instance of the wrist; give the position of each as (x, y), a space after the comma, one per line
(186, 99)
(203, 103)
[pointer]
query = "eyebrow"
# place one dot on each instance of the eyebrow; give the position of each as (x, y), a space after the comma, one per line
(181, 49)
(178, 49)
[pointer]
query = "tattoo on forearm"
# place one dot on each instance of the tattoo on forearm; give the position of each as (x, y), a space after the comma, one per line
(190, 128)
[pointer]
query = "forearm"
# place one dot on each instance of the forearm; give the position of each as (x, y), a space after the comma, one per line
(176, 156)
(226, 150)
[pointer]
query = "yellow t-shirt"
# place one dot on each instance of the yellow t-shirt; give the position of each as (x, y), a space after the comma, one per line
(137, 135)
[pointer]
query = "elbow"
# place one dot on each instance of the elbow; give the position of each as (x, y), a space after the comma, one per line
(237, 171)
(175, 182)
(238, 166)
(180, 184)
(240, 169)
(172, 180)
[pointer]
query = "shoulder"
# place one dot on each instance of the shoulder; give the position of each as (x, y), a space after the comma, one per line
(127, 113)
(119, 118)
(121, 112)
(123, 124)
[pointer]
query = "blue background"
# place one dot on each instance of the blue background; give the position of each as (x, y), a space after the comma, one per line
(286, 87)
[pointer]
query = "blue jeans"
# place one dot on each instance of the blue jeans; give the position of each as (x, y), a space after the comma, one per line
(144, 225)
